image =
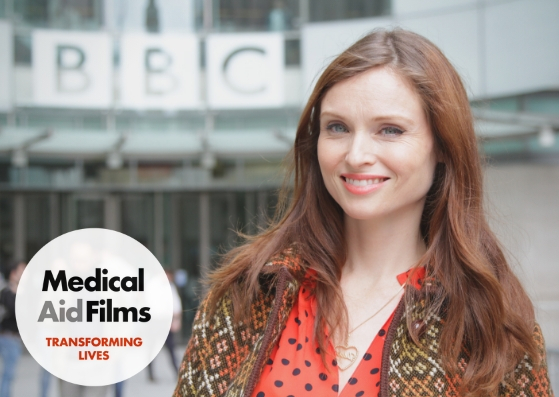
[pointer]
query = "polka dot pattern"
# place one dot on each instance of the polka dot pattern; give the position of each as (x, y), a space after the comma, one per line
(302, 371)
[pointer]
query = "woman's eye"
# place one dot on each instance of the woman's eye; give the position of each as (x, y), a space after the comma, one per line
(391, 131)
(336, 127)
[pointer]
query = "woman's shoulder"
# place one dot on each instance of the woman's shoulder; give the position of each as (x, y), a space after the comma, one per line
(219, 341)
(530, 376)
(282, 270)
(289, 259)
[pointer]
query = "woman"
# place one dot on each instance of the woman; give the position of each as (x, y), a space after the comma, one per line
(382, 277)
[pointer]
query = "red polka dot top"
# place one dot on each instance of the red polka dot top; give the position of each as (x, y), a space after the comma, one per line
(295, 367)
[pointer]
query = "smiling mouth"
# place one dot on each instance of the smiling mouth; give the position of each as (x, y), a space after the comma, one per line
(364, 182)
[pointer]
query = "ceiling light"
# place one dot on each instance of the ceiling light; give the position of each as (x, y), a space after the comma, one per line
(546, 136)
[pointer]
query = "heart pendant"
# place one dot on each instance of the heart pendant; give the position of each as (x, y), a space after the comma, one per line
(346, 353)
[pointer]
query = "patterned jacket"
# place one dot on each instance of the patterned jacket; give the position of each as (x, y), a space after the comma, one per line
(226, 359)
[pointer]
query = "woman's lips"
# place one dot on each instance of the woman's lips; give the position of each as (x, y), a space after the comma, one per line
(363, 184)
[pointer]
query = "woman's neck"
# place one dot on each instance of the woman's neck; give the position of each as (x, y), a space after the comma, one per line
(382, 248)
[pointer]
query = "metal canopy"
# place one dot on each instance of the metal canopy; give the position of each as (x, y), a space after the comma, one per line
(150, 145)
(21, 143)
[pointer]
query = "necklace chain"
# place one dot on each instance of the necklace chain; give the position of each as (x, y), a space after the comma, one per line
(350, 353)
(377, 312)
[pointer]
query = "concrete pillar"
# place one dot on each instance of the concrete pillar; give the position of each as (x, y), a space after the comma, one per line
(250, 204)
(262, 208)
(205, 243)
(232, 223)
(158, 227)
(54, 215)
(20, 242)
(112, 212)
(176, 217)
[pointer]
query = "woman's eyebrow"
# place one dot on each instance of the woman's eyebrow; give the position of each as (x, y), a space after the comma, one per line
(380, 117)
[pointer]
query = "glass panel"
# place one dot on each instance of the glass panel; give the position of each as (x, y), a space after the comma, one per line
(137, 218)
(32, 12)
(64, 14)
(6, 229)
(251, 213)
(167, 231)
(76, 14)
(80, 213)
(547, 103)
(504, 147)
(4, 172)
(189, 207)
(38, 222)
(90, 213)
(331, 10)
(292, 52)
(265, 119)
(154, 15)
(272, 202)
(223, 218)
(504, 104)
(250, 15)
(189, 213)
(22, 50)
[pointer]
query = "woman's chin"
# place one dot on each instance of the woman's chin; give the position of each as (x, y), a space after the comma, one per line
(362, 214)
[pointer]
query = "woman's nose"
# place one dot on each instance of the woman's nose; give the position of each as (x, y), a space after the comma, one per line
(361, 151)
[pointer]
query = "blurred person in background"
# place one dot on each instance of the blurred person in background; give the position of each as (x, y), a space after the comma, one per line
(176, 324)
(44, 382)
(10, 341)
(175, 327)
(382, 276)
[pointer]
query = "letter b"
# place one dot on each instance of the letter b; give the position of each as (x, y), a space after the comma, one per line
(70, 75)
(159, 81)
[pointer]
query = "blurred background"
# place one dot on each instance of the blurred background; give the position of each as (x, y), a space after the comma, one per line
(168, 120)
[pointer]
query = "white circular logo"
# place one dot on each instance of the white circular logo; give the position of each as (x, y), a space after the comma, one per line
(94, 307)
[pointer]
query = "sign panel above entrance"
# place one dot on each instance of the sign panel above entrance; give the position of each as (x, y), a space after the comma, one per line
(159, 71)
(245, 70)
(72, 69)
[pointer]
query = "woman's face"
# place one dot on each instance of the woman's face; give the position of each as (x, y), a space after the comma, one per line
(375, 148)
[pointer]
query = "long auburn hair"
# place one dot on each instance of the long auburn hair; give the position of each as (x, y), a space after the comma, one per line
(485, 307)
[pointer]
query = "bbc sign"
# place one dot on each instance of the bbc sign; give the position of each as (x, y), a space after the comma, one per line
(157, 71)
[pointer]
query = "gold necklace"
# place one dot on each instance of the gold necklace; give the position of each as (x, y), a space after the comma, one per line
(350, 353)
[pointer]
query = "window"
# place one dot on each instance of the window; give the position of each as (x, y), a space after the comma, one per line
(6, 228)
(542, 102)
(250, 15)
(62, 14)
(331, 10)
(32, 12)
